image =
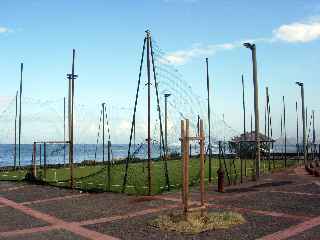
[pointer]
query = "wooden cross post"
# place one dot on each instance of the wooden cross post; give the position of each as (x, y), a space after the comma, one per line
(185, 139)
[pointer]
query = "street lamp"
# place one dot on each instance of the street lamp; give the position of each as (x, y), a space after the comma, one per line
(252, 47)
(300, 84)
(166, 95)
(209, 121)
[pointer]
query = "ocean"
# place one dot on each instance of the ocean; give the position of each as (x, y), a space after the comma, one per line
(58, 153)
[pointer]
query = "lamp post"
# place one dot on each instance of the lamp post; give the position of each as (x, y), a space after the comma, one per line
(71, 77)
(300, 84)
(20, 118)
(252, 47)
(209, 121)
(166, 122)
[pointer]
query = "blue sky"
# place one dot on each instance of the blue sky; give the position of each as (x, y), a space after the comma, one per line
(108, 37)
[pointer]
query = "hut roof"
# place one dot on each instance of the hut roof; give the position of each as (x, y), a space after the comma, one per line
(250, 137)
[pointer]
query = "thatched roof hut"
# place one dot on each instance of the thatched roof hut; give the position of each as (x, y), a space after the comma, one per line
(250, 137)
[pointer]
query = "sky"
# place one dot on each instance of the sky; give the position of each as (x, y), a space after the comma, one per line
(108, 38)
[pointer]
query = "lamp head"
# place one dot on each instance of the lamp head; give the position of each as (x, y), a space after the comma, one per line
(167, 94)
(299, 84)
(249, 45)
(148, 32)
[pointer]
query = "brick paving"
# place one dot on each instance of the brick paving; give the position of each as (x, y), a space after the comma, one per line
(283, 205)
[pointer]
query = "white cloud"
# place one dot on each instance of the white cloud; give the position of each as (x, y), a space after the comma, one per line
(199, 51)
(183, 56)
(3, 30)
(298, 31)
(294, 32)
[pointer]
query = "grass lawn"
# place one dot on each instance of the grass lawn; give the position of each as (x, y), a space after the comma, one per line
(94, 178)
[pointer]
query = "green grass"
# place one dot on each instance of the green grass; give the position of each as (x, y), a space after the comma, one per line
(94, 178)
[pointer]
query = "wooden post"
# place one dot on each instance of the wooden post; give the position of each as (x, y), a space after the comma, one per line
(220, 171)
(64, 130)
(103, 116)
(285, 132)
(198, 126)
(304, 117)
(69, 127)
(252, 47)
(209, 120)
(40, 155)
(281, 136)
(244, 125)
(109, 159)
(220, 152)
(71, 78)
(72, 119)
(256, 110)
(20, 117)
(202, 186)
(182, 160)
(313, 137)
(149, 112)
(297, 130)
(265, 121)
(307, 125)
(241, 163)
(166, 123)
(272, 144)
(15, 133)
(186, 168)
(34, 169)
(268, 127)
(45, 160)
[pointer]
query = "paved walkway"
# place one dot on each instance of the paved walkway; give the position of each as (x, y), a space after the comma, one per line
(284, 205)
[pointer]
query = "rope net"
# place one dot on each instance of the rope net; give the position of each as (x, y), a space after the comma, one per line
(102, 167)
